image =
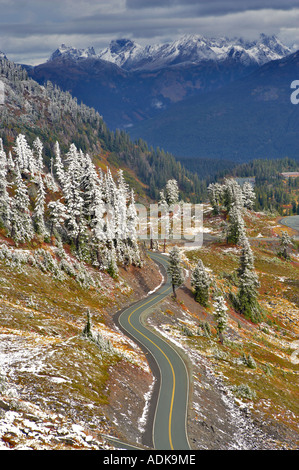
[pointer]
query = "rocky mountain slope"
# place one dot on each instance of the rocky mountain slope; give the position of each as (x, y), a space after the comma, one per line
(193, 49)
(253, 117)
(128, 83)
(54, 115)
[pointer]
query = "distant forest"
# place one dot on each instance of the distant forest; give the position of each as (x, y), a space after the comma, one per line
(274, 192)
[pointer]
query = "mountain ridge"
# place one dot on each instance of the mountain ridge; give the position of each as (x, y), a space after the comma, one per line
(188, 49)
(251, 118)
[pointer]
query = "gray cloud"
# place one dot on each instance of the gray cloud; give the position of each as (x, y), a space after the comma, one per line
(215, 7)
(35, 28)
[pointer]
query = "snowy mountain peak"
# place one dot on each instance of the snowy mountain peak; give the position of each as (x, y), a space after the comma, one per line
(189, 49)
(121, 52)
(193, 48)
(72, 52)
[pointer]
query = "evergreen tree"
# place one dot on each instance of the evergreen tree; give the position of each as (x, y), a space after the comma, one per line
(248, 195)
(172, 192)
(87, 329)
(175, 269)
(4, 196)
(56, 215)
(58, 165)
(247, 295)
(236, 227)
(132, 251)
(39, 209)
(285, 243)
(38, 148)
(220, 315)
(75, 222)
(215, 192)
(232, 194)
(21, 223)
(200, 281)
(97, 211)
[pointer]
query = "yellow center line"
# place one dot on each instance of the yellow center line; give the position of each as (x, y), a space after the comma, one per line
(172, 370)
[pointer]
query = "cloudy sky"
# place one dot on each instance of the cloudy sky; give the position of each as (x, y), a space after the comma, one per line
(30, 30)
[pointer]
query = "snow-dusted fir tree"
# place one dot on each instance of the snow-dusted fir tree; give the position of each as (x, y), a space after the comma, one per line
(169, 198)
(236, 226)
(24, 155)
(285, 244)
(56, 215)
(175, 269)
(10, 162)
(90, 187)
(112, 267)
(248, 283)
(215, 193)
(21, 222)
(172, 192)
(246, 258)
(220, 315)
(39, 209)
(132, 250)
(97, 223)
(232, 194)
(201, 281)
(165, 222)
(58, 165)
(75, 222)
(38, 152)
(120, 209)
(4, 196)
(248, 195)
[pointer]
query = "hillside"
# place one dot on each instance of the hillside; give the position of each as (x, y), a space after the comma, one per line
(251, 118)
(54, 115)
(71, 260)
(61, 391)
(125, 97)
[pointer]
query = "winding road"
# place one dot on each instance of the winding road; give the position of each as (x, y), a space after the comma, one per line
(291, 221)
(169, 417)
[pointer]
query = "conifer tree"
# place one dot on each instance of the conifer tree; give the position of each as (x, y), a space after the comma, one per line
(215, 196)
(236, 226)
(132, 239)
(39, 209)
(172, 192)
(58, 165)
(247, 295)
(4, 196)
(24, 153)
(175, 269)
(200, 281)
(220, 315)
(248, 195)
(285, 243)
(38, 148)
(56, 215)
(75, 222)
(21, 223)
(232, 194)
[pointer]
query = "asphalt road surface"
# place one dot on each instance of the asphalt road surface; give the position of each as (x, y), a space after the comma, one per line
(169, 431)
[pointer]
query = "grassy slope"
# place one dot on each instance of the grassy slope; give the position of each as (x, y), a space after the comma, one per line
(47, 364)
(53, 379)
(274, 381)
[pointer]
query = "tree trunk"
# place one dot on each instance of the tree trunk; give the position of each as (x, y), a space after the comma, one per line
(173, 289)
